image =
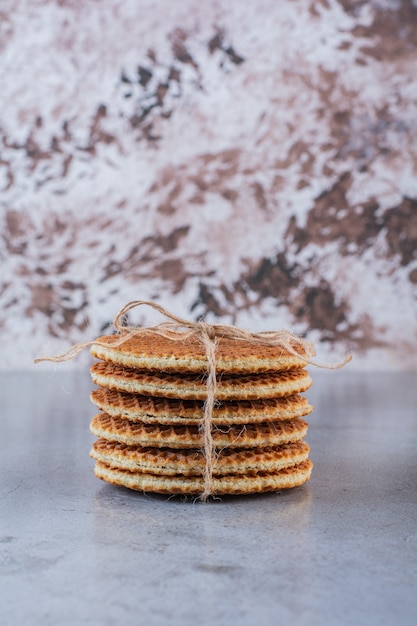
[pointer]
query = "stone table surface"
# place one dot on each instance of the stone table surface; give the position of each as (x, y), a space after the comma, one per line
(340, 550)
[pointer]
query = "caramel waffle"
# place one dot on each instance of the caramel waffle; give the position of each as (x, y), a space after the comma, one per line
(153, 352)
(151, 435)
(189, 386)
(167, 462)
(137, 408)
(194, 485)
(211, 411)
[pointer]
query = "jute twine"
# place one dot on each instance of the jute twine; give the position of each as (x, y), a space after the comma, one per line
(178, 329)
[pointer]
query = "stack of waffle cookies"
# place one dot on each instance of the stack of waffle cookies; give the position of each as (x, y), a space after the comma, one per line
(151, 393)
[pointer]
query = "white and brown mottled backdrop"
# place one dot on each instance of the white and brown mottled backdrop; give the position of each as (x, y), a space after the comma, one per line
(253, 162)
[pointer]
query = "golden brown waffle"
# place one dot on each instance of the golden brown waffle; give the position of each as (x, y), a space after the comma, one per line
(152, 393)
(138, 408)
(190, 386)
(169, 462)
(153, 352)
(194, 485)
(152, 435)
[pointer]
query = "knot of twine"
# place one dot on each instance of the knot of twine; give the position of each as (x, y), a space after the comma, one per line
(178, 329)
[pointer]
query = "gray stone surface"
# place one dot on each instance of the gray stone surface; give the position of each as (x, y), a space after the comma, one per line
(340, 550)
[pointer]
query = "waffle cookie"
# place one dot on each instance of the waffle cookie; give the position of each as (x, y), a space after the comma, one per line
(164, 427)
(137, 408)
(192, 387)
(116, 429)
(232, 484)
(153, 352)
(168, 462)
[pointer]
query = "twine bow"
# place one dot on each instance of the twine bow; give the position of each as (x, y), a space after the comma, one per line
(178, 329)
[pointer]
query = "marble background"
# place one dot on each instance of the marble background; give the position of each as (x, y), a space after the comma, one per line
(252, 162)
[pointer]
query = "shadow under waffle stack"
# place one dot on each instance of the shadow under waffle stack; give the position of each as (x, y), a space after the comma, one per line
(151, 394)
